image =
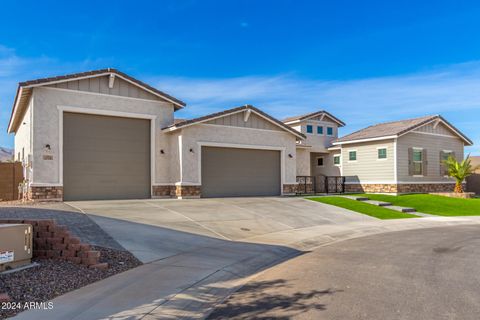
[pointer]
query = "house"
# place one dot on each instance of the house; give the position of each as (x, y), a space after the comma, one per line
(401, 156)
(106, 135)
(473, 181)
(313, 155)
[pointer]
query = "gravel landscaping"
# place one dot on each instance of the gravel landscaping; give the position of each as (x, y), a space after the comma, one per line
(53, 278)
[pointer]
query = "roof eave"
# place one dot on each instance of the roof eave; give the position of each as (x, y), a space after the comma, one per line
(337, 143)
(236, 110)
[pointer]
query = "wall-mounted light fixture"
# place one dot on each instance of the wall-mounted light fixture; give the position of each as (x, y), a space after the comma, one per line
(161, 151)
(191, 150)
(290, 155)
(47, 147)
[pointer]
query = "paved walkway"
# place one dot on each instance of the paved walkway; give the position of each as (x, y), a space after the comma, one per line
(197, 252)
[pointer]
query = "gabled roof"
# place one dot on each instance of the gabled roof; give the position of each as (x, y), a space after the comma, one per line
(24, 89)
(307, 116)
(212, 116)
(395, 129)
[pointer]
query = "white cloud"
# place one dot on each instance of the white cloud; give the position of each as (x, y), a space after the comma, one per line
(448, 91)
(15, 68)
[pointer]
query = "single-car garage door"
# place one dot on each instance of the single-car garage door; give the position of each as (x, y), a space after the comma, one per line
(234, 172)
(105, 157)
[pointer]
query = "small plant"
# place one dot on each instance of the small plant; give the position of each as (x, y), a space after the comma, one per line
(459, 171)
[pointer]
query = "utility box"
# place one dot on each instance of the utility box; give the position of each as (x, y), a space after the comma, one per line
(15, 245)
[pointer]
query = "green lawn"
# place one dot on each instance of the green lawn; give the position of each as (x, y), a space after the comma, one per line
(427, 203)
(365, 208)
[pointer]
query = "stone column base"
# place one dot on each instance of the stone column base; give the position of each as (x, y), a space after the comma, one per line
(166, 191)
(46, 193)
(187, 192)
(289, 189)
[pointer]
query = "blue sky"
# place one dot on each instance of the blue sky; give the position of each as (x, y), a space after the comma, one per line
(364, 61)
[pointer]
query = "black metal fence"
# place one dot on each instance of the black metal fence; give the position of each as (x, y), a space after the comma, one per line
(320, 184)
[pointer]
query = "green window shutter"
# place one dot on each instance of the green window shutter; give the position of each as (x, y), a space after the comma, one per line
(424, 162)
(442, 166)
(410, 161)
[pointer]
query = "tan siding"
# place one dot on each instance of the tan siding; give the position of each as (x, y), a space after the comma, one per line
(237, 120)
(100, 85)
(368, 168)
(433, 145)
(439, 129)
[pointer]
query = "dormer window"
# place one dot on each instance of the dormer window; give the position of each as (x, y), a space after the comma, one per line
(309, 128)
(329, 131)
(319, 130)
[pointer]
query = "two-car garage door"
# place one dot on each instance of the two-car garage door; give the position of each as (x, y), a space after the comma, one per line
(231, 172)
(105, 157)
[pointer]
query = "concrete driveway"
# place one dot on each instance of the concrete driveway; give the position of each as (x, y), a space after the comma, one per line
(155, 229)
(197, 252)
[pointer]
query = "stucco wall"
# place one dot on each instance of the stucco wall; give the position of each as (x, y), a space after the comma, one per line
(46, 126)
(23, 135)
(319, 142)
(328, 168)
(303, 162)
(368, 168)
(192, 135)
(433, 145)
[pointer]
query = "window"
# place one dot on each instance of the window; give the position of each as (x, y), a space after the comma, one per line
(352, 156)
(329, 131)
(319, 130)
(417, 162)
(309, 129)
(382, 153)
(336, 160)
(320, 162)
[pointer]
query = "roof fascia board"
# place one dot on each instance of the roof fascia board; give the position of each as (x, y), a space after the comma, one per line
(15, 109)
(231, 113)
(101, 75)
(323, 113)
(364, 140)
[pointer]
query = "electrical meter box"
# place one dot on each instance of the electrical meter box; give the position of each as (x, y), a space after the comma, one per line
(15, 245)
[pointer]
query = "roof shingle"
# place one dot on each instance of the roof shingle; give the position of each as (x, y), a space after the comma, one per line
(311, 115)
(394, 128)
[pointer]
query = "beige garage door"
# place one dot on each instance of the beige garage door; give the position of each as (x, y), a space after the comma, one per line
(233, 172)
(105, 157)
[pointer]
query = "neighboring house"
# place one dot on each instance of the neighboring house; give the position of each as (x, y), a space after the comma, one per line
(106, 135)
(401, 156)
(473, 181)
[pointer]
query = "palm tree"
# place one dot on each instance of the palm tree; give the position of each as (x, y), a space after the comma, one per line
(459, 171)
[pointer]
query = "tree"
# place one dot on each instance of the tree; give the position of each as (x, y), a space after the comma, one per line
(459, 171)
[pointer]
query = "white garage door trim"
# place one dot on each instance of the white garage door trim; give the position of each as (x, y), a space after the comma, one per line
(102, 112)
(242, 146)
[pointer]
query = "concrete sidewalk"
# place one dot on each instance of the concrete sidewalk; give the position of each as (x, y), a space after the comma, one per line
(189, 284)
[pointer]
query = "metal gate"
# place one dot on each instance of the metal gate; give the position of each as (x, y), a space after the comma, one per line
(320, 184)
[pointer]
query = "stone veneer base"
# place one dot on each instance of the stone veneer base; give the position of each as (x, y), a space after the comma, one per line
(289, 189)
(400, 188)
(46, 193)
